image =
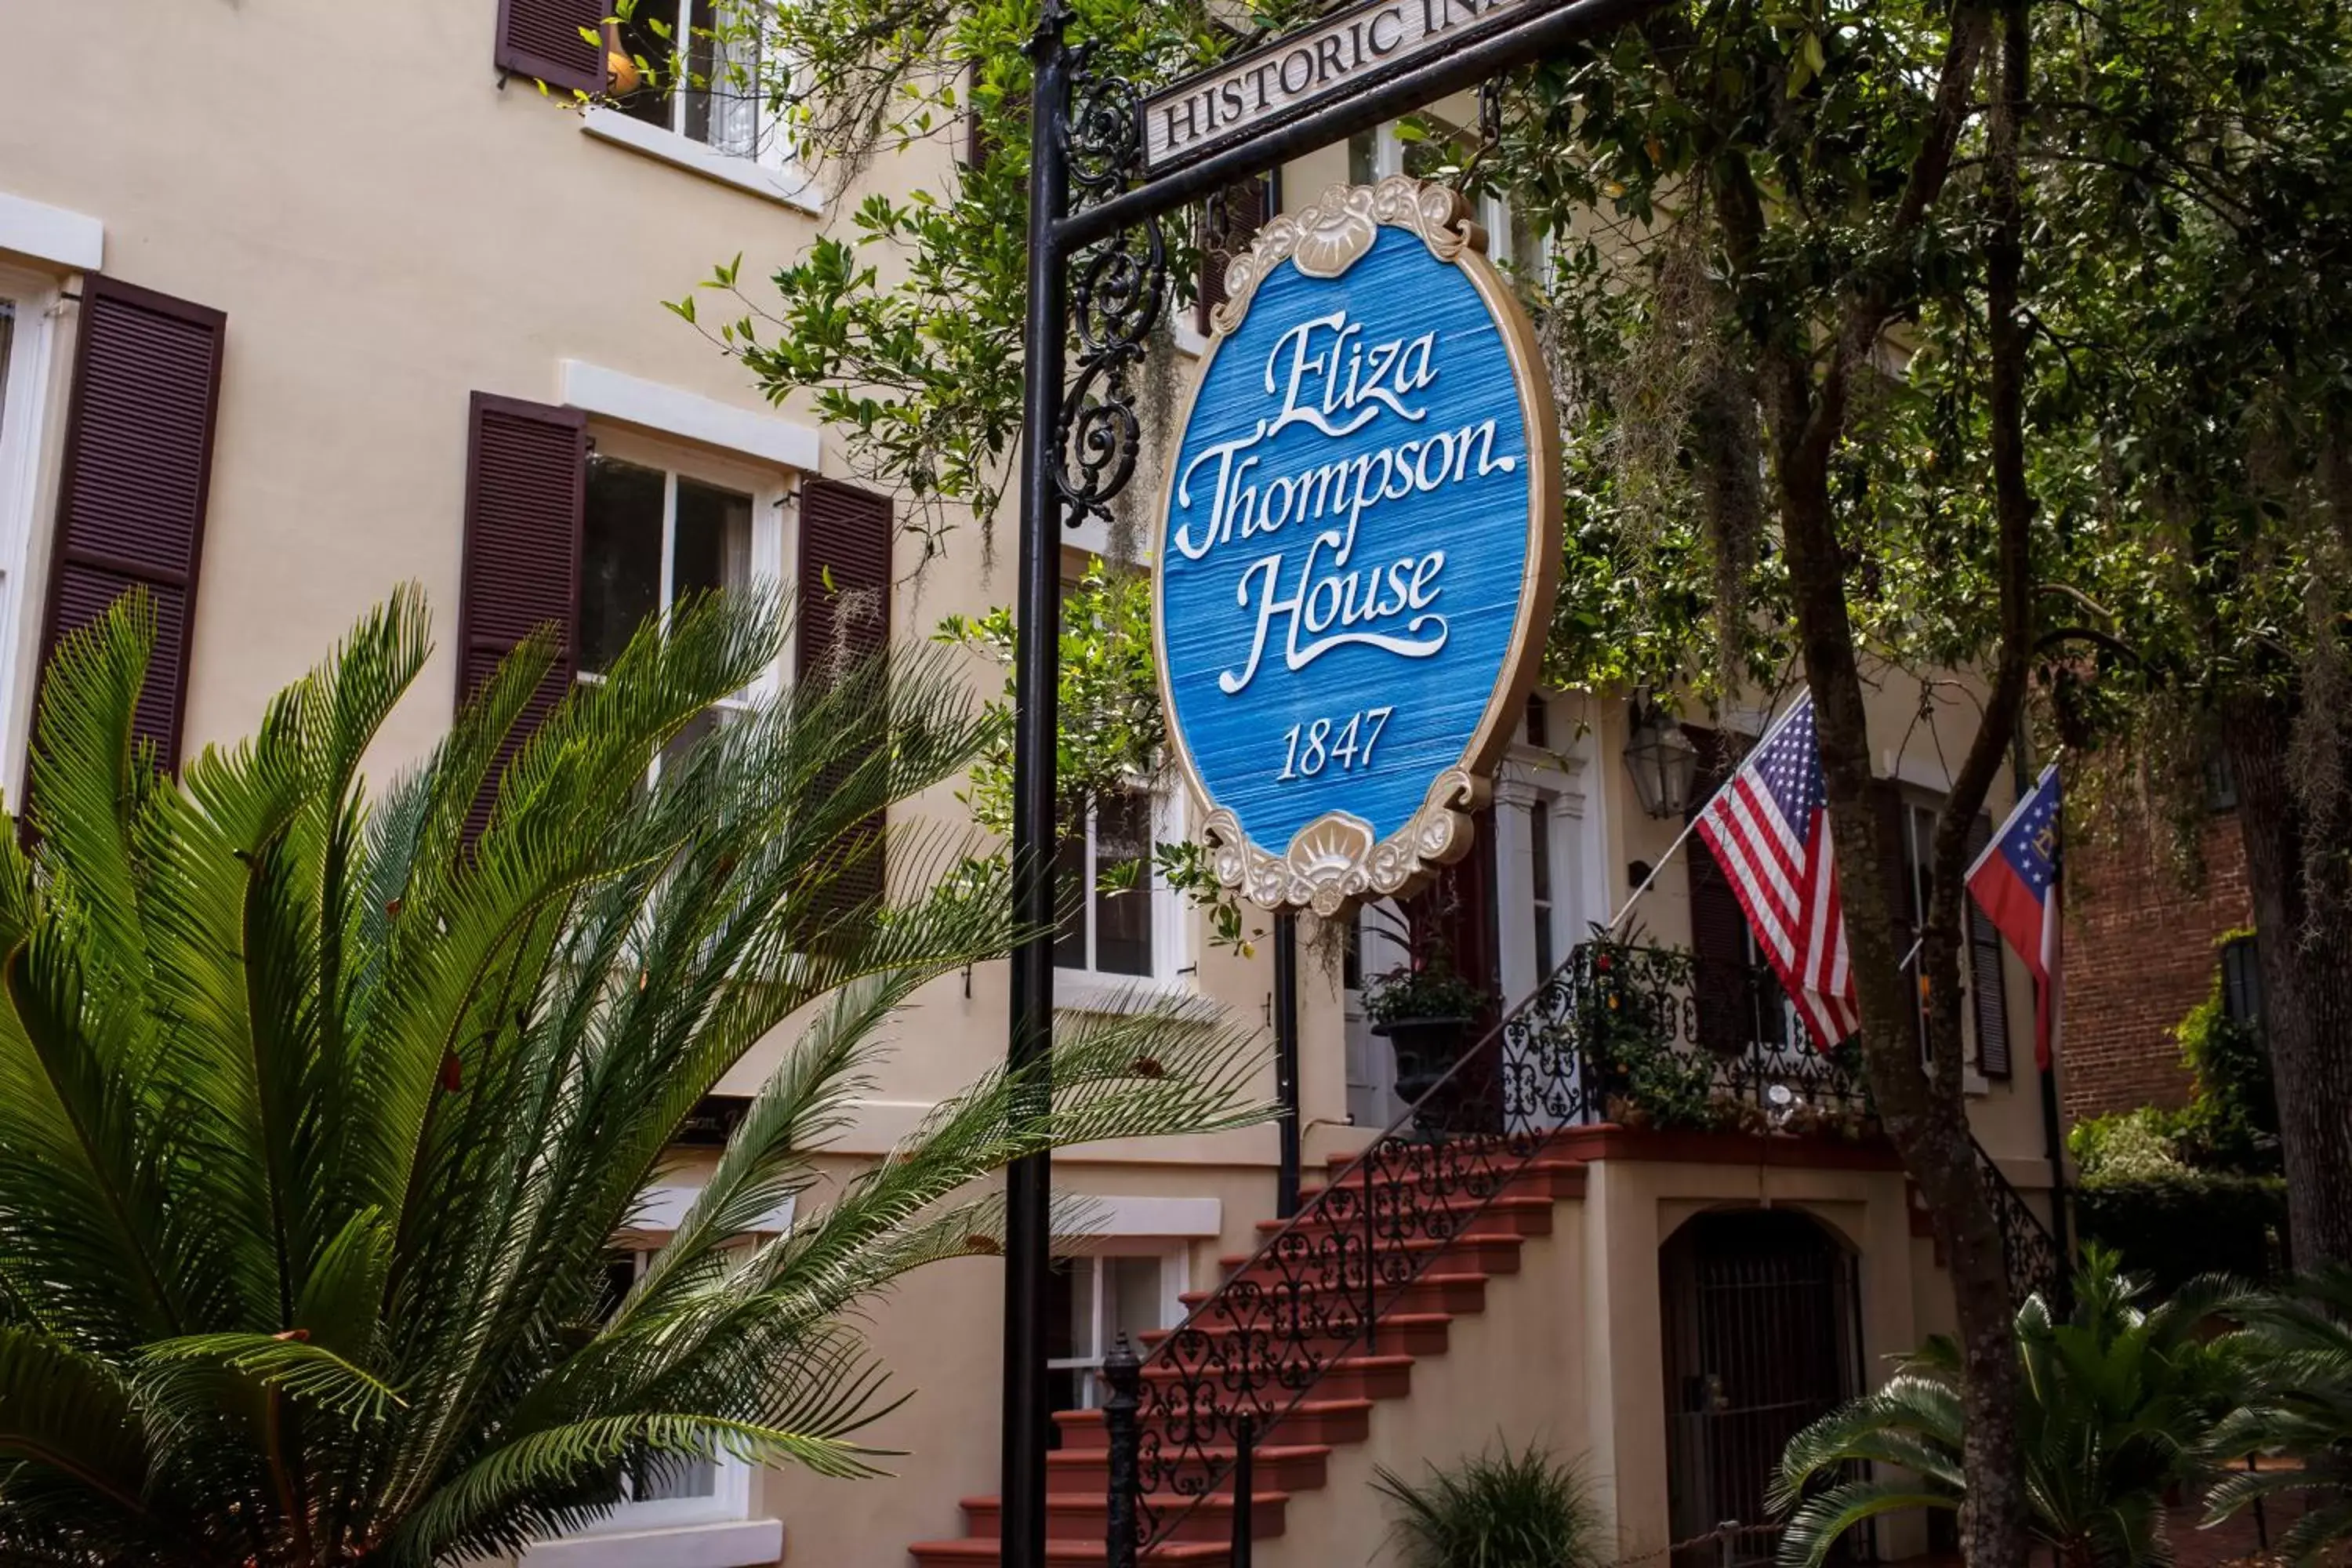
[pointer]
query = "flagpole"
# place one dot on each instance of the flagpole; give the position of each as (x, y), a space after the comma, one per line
(1690, 828)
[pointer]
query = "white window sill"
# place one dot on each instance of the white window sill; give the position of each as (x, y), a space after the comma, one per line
(1187, 337)
(787, 185)
(736, 1543)
(1084, 991)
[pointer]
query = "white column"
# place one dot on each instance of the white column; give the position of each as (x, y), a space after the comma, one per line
(1514, 933)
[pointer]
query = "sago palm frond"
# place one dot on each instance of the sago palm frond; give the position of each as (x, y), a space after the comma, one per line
(2296, 1410)
(2116, 1406)
(320, 1109)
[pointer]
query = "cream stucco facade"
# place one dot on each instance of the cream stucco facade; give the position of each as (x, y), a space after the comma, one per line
(389, 229)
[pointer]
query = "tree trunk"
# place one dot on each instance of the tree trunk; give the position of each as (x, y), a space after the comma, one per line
(1925, 1117)
(2306, 949)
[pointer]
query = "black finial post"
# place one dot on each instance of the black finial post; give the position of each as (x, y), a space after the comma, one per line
(1122, 1373)
(1245, 1483)
(1028, 1194)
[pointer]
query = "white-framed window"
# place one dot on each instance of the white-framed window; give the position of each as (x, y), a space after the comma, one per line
(717, 98)
(703, 1491)
(1543, 909)
(29, 302)
(1119, 918)
(661, 523)
(1096, 1296)
(1525, 248)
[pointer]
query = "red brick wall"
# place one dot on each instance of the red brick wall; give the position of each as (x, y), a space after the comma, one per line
(2140, 954)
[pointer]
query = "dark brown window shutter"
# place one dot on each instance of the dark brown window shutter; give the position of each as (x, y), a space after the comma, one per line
(1987, 975)
(1904, 876)
(976, 142)
(138, 462)
(1231, 219)
(1739, 1003)
(526, 483)
(844, 587)
(541, 38)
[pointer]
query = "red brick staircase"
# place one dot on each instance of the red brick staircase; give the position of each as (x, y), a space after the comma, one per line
(1450, 1280)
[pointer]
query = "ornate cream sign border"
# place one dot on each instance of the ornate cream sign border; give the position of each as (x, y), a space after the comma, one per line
(1334, 861)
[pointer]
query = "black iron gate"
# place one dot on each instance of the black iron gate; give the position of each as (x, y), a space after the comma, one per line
(1763, 1336)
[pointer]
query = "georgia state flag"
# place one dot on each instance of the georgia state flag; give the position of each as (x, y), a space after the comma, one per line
(2016, 882)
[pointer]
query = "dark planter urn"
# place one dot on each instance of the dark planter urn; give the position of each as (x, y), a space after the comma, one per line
(1426, 1049)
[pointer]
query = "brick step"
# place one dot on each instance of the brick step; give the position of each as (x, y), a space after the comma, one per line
(1485, 1254)
(1382, 1376)
(1315, 1422)
(1410, 1333)
(984, 1553)
(1293, 1467)
(1084, 1516)
(1457, 1292)
(1508, 1215)
(1547, 1176)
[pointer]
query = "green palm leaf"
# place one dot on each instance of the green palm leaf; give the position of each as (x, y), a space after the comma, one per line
(319, 1112)
(2119, 1405)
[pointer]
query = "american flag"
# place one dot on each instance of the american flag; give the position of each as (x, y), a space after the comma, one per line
(1770, 830)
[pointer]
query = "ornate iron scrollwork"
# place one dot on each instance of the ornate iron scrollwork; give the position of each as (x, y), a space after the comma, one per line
(2028, 1250)
(1118, 293)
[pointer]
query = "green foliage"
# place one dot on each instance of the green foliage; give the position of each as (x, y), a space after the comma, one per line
(2134, 1145)
(1404, 994)
(319, 1110)
(906, 331)
(1628, 1023)
(2117, 1400)
(2231, 1123)
(2182, 1193)
(1723, 180)
(2193, 393)
(1113, 735)
(2179, 1222)
(2298, 1412)
(1495, 1509)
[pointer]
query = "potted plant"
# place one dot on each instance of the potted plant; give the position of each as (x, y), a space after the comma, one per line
(1424, 1007)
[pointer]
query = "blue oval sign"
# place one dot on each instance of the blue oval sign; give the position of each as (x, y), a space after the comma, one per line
(1359, 548)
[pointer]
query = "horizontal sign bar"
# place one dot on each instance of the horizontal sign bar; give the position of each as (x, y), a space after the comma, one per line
(1292, 75)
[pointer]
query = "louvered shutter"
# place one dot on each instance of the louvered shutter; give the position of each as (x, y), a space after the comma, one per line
(1905, 877)
(1227, 226)
(845, 588)
(1739, 1003)
(526, 483)
(1986, 974)
(543, 39)
(979, 146)
(138, 462)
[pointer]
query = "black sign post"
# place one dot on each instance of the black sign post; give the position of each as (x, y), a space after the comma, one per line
(1101, 177)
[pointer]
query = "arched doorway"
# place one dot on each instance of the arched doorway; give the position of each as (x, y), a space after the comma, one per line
(1761, 1321)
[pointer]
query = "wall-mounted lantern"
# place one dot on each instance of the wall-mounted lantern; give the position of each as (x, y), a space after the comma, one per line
(1662, 760)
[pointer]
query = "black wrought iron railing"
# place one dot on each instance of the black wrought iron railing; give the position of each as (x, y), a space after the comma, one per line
(1614, 1034)
(2029, 1250)
(1672, 1049)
